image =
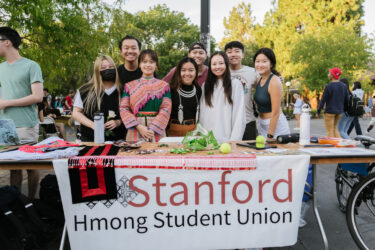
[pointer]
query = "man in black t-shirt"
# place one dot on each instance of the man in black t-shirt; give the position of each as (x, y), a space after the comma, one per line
(130, 48)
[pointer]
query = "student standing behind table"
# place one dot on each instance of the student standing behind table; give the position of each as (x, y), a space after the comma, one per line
(101, 94)
(297, 108)
(186, 95)
(198, 52)
(22, 88)
(335, 97)
(247, 76)
(146, 103)
(357, 91)
(268, 95)
(130, 47)
(222, 103)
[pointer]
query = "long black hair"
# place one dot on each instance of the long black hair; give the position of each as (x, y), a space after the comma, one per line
(176, 80)
(271, 56)
(211, 81)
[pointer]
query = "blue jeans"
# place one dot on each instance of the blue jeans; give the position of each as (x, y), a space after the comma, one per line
(344, 125)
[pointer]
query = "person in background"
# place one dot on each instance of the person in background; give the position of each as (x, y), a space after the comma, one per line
(297, 108)
(368, 107)
(247, 76)
(48, 96)
(222, 103)
(371, 124)
(198, 52)
(146, 103)
(45, 111)
(335, 97)
(358, 92)
(69, 102)
(101, 94)
(22, 88)
(268, 94)
(345, 119)
(186, 95)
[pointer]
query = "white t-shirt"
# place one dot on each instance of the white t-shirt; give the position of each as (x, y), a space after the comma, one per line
(358, 93)
(78, 100)
(247, 76)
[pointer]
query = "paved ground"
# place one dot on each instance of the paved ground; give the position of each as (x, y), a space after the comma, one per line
(309, 237)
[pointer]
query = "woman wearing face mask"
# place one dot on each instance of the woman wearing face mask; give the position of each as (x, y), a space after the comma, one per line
(268, 94)
(102, 93)
(222, 103)
(146, 103)
(186, 94)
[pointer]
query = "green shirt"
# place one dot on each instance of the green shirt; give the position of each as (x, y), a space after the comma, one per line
(15, 81)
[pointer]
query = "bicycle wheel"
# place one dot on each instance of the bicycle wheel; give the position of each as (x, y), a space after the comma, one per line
(343, 188)
(360, 214)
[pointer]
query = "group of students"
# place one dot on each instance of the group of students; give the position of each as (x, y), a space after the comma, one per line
(139, 106)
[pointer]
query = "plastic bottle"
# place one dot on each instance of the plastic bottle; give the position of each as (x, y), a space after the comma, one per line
(98, 128)
(304, 136)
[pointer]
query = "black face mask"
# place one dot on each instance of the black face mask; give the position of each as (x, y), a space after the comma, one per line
(108, 75)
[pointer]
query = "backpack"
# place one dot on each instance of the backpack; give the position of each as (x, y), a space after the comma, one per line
(355, 106)
(20, 225)
(49, 206)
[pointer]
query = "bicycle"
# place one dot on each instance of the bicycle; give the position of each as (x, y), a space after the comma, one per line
(356, 194)
(350, 174)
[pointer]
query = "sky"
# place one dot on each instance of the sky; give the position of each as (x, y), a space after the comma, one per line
(222, 8)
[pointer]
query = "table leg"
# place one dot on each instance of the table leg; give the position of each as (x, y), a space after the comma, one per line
(62, 243)
(315, 206)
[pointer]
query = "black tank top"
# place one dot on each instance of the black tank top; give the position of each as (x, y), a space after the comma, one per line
(262, 98)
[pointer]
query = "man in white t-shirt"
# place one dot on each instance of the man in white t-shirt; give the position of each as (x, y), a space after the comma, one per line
(247, 76)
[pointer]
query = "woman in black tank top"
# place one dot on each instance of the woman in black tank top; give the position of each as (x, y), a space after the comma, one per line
(268, 95)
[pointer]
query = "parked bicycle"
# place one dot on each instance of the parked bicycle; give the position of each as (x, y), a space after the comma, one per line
(355, 187)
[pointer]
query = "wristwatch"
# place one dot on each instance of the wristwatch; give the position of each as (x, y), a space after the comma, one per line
(270, 136)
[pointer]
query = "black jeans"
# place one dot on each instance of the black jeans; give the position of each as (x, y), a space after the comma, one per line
(250, 131)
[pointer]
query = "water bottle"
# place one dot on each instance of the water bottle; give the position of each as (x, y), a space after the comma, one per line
(98, 128)
(304, 136)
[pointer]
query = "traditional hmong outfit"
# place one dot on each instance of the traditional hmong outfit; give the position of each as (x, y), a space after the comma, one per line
(146, 101)
(185, 109)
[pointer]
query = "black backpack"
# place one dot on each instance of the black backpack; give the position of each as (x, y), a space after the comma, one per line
(20, 225)
(50, 206)
(355, 106)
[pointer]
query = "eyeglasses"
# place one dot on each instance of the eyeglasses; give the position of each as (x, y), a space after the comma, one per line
(3, 39)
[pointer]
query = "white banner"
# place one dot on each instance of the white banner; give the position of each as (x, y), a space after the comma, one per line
(191, 208)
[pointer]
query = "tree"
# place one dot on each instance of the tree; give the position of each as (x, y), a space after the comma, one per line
(239, 26)
(64, 37)
(284, 25)
(336, 46)
(168, 32)
(290, 19)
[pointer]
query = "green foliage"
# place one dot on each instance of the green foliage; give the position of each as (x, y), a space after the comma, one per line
(65, 36)
(239, 26)
(337, 46)
(168, 32)
(288, 22)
